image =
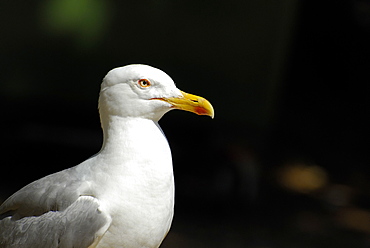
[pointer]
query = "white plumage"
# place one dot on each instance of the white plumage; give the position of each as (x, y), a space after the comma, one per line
(124, 195)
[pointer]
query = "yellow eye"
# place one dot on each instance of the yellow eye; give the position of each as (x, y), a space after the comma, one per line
(144, 83)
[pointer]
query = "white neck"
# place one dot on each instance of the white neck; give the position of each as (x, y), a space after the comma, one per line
(128, 139)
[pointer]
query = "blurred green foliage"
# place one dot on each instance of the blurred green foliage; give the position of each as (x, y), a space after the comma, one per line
(83, 20)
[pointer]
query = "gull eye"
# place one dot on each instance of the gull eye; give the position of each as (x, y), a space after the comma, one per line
(144, 83)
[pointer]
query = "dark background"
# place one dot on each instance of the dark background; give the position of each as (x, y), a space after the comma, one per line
(285, 162)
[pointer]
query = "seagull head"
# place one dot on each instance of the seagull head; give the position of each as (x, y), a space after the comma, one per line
(146, 92)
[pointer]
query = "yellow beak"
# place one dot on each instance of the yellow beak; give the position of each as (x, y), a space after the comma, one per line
(191, 103)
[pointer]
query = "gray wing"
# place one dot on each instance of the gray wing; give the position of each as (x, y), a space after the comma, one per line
(77, 226)
(54, 192)
(54, 211)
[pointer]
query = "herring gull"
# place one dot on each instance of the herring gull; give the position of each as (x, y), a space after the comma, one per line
(124, 195)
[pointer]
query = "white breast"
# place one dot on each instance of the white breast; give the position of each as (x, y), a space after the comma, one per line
(136, 186)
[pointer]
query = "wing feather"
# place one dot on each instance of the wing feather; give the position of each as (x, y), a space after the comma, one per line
(54, 192)
(78, 226)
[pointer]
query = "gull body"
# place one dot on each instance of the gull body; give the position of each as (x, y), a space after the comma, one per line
(124, 195)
